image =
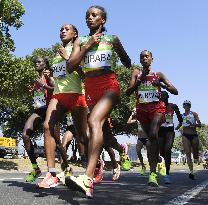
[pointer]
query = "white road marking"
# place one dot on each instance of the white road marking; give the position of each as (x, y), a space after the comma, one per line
(187, 196)
(17, 178)
(182, 170)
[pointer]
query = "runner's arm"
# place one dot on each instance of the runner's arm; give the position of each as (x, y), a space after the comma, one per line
(166, 84)
(119, 49)
(179, 116)
(50, 85)
(76, 56)
(134, 82)
(132, 119)
(198, 124)
(79, 52)
(81, 73)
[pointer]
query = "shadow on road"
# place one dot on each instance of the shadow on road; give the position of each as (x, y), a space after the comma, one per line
(62, 192)
(7, 165)
(131, 189)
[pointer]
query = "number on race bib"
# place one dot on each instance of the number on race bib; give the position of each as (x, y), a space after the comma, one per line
(59, 69)
(39, 100)
(148, 96)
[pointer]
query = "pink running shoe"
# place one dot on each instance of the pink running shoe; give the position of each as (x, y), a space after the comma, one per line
(48, 182)
(99, 172)
(125, 148)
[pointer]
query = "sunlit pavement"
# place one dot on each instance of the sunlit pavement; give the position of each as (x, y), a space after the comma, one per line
(131, 189)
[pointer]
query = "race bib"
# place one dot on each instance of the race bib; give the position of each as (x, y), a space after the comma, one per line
(69, 120)
(186, 121)
(59, 69)
(97, 59)
(39, 99)
(168, 121)
(148, 96)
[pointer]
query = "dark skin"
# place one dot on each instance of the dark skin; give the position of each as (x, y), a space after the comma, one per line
(172, 106)
(191, 146)
(41, 68)
(152, 128)
(166, 143)
(99, 113)
(48, 73)
(137, 75)
(35, 120)
(56, 111)
(95, 22)
(141, 134)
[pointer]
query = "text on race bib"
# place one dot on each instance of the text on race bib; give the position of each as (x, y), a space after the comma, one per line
(59, 69)
(39, 99)
(168, 121)
(148, 96)
(69, 121)
(168, 118)
(97, 59)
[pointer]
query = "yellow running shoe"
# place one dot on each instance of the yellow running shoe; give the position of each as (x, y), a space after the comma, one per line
(61, 176)
(153, 179)
(125, 163)
(33, 175)
(161, 169)
(142, 172)
(68, 172)
(82, 183)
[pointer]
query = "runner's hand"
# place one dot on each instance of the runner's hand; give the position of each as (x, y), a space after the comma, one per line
(39, 82)
(95, 39)
(156, 83)
(62, 52)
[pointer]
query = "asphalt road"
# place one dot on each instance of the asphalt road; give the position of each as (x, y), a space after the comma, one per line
(131, 189)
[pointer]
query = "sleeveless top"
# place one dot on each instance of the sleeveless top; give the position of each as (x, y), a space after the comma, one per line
(168, 118)
(65, 82)
(190, 117)
(99, 56)
(148, 93)
(41, 97)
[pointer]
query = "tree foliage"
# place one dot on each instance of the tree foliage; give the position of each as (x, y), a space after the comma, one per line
(203, 137)
(19, 73)
(124, 109)
(11, 12)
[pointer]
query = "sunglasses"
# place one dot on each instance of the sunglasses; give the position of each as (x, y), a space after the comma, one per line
(186, 104)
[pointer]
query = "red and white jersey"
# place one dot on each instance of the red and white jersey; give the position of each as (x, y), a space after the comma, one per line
(41, 96)
(169, 113)
(147, 92)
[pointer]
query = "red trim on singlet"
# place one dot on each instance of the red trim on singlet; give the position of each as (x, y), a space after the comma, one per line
(152, 76)
(37, 87)
(147, 111)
